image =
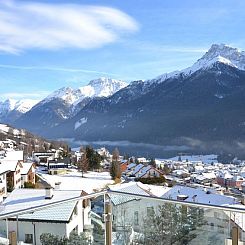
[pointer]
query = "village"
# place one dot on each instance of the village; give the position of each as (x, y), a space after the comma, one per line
(56, 175)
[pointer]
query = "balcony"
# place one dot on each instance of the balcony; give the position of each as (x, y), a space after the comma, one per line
(118, 218)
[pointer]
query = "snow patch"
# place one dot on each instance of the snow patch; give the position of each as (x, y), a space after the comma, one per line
(219, 96)
(80, 122)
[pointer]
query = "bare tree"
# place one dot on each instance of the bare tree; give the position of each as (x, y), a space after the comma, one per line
(83, 162)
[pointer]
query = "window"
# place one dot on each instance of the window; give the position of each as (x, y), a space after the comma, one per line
(136, 218)
(216, 215)
(150, 211)
(28, 238)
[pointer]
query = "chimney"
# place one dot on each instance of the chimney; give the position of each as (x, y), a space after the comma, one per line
(48, 193)
(57, 185)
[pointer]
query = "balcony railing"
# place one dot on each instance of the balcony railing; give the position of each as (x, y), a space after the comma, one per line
(124, 218)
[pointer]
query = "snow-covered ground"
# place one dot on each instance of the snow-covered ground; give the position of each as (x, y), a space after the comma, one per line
(91, 182)
(194, 158)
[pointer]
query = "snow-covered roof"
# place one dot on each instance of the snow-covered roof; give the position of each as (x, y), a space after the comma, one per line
(131, 187)
(136, 188)
(194, 158)
(238, 178)
(30, 198)
(26, 167)
(8, 165)
(209, 175)
(198, 195)
(144, 170)
(137, 168)
(14, 155)
(225, 174)
(131, 165)
(180, 171)
(199, 168)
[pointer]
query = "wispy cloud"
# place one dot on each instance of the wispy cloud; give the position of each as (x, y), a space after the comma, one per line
(156, 47)
(49, 68)
(29, 25)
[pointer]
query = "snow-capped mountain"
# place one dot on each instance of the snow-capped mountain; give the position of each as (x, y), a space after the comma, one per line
(64, 103)
(200, 108)
(22, 106)
(11, 109)
(101, 87)
(220, 53)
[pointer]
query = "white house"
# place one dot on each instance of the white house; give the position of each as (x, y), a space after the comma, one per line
(3, 183)
(148, 172)
(130, 211)
(13, 169)
(27, 173)
(60, 219)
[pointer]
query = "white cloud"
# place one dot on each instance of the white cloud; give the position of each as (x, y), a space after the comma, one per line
(30, 25)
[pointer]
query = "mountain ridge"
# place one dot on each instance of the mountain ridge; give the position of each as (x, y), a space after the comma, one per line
(200, 107)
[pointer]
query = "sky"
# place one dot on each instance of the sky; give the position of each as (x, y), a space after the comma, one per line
(46, 45)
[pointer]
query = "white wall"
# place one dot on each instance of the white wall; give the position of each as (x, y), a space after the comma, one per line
(17, 177)
(3, 185)
(60, 229)
(124, 214)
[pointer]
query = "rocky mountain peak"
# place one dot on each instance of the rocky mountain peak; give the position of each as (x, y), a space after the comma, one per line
(225, 54)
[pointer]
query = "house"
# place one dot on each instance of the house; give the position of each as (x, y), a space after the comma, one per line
(136, 169)
(7, 144)
(181, 173)
(214, 220)
(27, 173)
(60, 219)
(3, 183)
(131, 210)
(224, 178)
(148, 172)
(204, 178)
(130, 169)
(124, 165)
(103, 152)
(43, 156)
(14, 173)
(198, 195)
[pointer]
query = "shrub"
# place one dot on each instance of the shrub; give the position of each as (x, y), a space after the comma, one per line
(29, 185)
(155, 180)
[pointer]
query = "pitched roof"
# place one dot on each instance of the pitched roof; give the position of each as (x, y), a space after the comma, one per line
(30, 198)
(137, 168)
(26, 167)
(198, 195)
(131, 187)
(136, 188)
(8, 165)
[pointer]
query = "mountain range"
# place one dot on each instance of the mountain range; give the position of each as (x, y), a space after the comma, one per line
(198, 109)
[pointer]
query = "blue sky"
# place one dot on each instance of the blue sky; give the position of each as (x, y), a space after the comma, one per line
(46, 45)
